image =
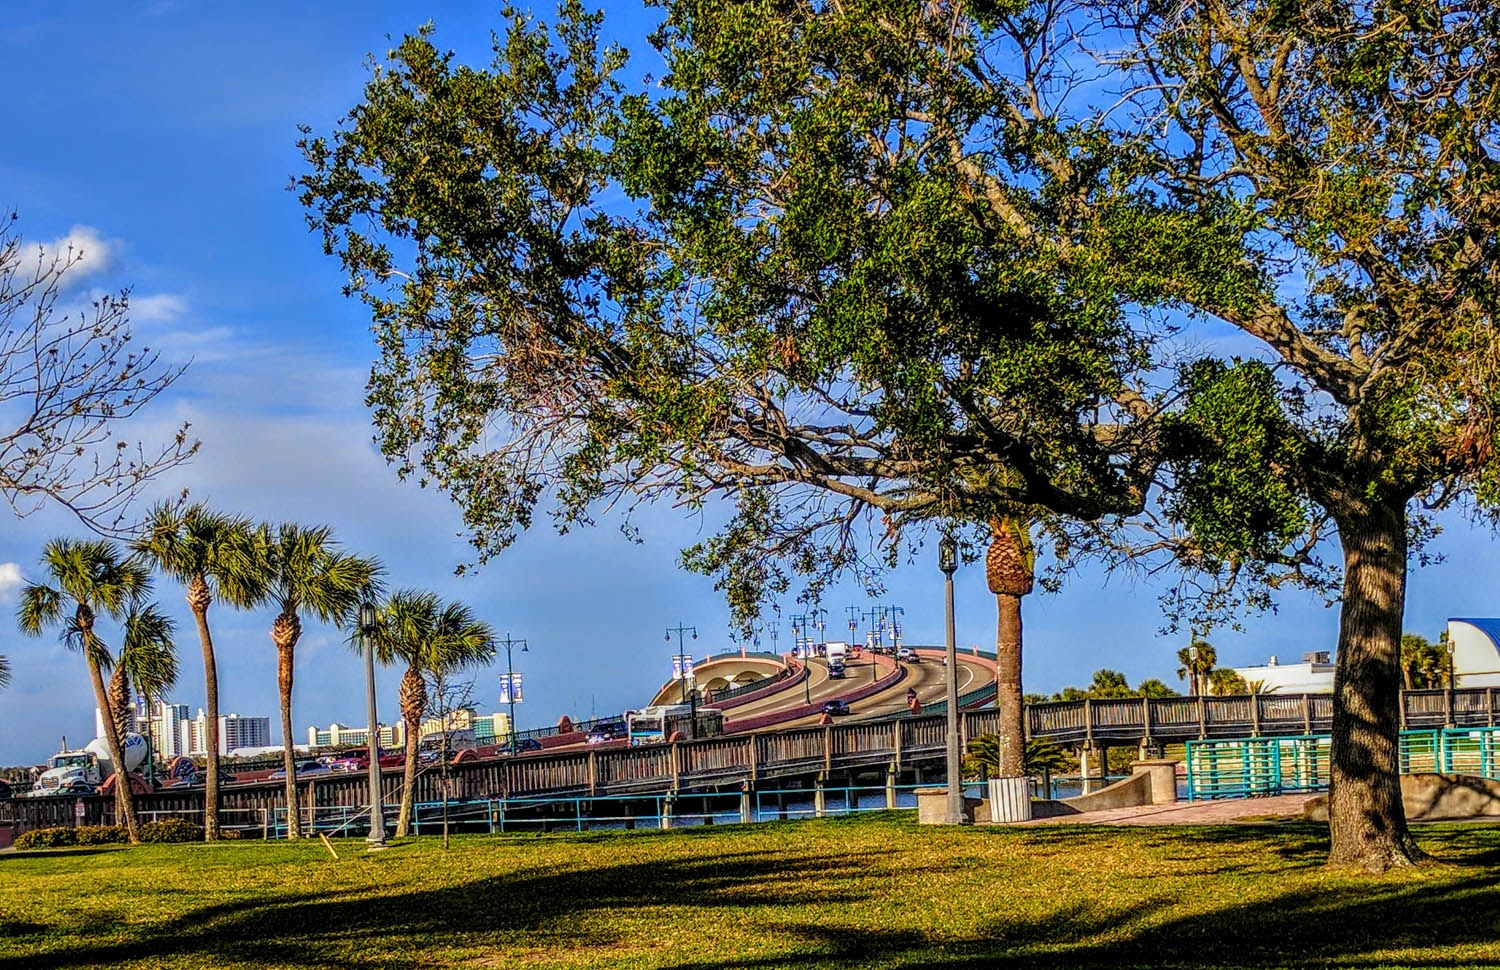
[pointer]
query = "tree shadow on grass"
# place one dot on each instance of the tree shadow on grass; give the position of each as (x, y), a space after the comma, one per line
(395, 930)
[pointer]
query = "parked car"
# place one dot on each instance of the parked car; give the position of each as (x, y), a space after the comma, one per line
(306, 769)
(908, 655)
(835, 708)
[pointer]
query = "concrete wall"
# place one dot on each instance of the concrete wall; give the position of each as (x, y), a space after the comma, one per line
(1431, 797)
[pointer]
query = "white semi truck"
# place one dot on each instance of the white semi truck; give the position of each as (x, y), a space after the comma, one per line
(81, 772)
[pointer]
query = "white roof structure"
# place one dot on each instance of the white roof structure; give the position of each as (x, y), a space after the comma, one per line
(1475, 646)
(1314, 675)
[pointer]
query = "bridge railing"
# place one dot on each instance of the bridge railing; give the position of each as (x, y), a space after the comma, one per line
(1181, 718)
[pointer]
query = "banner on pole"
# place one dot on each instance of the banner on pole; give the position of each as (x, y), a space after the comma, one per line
(510, 688)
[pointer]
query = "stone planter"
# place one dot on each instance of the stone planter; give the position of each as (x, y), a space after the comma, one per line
(932, 806)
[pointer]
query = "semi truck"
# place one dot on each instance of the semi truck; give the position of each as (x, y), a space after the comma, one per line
(82, 771)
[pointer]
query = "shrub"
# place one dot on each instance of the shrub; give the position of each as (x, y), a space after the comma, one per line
(171, 830)
(100, 834)
(46, 838)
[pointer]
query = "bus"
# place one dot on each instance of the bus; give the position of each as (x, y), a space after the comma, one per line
(651, 725)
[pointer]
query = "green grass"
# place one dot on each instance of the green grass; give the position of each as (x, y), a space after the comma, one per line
(872, 892)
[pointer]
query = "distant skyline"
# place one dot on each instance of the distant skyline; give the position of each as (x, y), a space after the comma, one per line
(161, 136)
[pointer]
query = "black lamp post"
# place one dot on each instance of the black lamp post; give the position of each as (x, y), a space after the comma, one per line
(510, 684)
(376, 838)
(948, 563)
(689, 697)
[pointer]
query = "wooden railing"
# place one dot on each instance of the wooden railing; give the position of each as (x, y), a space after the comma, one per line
(1181, 718)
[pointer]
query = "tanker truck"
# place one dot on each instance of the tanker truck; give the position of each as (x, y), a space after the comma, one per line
(81, 772)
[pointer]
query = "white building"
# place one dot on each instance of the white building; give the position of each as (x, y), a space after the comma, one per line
(1474, 645)
(338, 735)
(1314, 675)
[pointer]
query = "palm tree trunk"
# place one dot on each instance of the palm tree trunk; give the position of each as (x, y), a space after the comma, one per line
(284, 656)
(413, 703)
(1367, 820)
(199, 598)
(1012, 761)
(409, 777)
(124, 797)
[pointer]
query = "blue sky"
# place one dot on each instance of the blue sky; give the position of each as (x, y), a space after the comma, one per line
(163, 135)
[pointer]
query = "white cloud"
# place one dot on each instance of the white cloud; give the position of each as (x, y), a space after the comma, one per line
(10, 580)
(157, 308)
(88, 253)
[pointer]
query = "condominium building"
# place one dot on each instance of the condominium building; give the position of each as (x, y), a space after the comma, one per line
(465, 727)
(338, 735)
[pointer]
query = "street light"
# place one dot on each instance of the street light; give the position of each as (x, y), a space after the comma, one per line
(510, 685)
(1193, 669)
(689, 697)
(948, 563)
(376, 838)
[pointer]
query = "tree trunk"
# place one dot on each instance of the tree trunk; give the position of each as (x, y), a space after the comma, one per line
(1012, 761)
(413, 703)
(124, 797)
(198, 599)
(285, 632)
(409, 777)
(1367, 820)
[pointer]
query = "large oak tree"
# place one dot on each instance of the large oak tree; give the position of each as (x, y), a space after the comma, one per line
(869, 264)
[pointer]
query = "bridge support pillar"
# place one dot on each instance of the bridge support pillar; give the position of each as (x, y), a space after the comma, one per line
(747, 803)
(1089, 755)
(890, 786)
(668, 809)
(1150, 749)
(820, 799)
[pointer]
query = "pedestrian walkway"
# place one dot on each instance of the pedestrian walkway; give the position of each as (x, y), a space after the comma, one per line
(1222, 811)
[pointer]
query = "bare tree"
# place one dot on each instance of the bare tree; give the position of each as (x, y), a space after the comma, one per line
(446, 697)
(69, 377)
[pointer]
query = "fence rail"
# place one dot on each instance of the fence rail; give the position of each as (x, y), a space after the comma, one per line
(1196, 718)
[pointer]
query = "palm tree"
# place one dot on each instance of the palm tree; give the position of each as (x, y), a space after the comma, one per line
(414, 628)
(1197, 659)
(148, 660)
(1424, 665)
(306, 572)
(1010, 568)
(1224, 681)
(90, 577)
(213, 556)
(4, 671)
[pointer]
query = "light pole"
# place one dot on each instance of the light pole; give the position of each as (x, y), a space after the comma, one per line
(948, 563)
(689, 697)
(1193, 669)
(376, 838)
(510, 684)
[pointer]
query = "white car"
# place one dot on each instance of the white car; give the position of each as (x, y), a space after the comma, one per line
(909, 655)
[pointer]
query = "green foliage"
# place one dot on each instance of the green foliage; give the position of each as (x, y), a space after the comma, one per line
(1424, 665)
(1108, 684)
(173, 830)
(52, 838)
(99, 834)
(982, 757)
(1224, 681)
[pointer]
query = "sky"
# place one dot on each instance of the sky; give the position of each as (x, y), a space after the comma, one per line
(161, 137)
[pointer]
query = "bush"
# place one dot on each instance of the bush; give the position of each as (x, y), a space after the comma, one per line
(171, 830)
(100, 834)
(46, 838)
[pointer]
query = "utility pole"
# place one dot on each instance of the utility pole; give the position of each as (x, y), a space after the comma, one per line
(689, 697)
(510, 685)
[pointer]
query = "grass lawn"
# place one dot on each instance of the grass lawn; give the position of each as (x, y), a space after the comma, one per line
(876, 891)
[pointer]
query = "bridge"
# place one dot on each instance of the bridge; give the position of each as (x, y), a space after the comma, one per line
(889, 747)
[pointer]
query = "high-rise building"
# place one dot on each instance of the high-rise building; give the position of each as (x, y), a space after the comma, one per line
(337, 735)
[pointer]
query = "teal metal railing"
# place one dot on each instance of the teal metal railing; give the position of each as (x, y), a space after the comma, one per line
(1244, 767)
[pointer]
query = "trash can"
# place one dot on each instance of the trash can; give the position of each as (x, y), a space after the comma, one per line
(1010, 799)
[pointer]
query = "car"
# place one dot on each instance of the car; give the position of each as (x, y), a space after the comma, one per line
(836, 708)
(528, 744)
(908, 655)
(836, 671)
(306, 769)
(603, 733)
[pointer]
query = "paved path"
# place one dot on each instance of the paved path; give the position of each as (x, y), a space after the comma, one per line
(1217, 812)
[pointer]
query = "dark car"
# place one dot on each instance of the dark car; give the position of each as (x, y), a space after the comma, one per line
(606, 732)
(835, 708)
(528, 744)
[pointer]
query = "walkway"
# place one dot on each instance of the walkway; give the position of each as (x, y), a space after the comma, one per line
(1222, 811)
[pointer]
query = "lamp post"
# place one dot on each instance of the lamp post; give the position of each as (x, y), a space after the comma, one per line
(1193, 669)
(948, 563)
(689, 697)
(376, 838)
(510, 684)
